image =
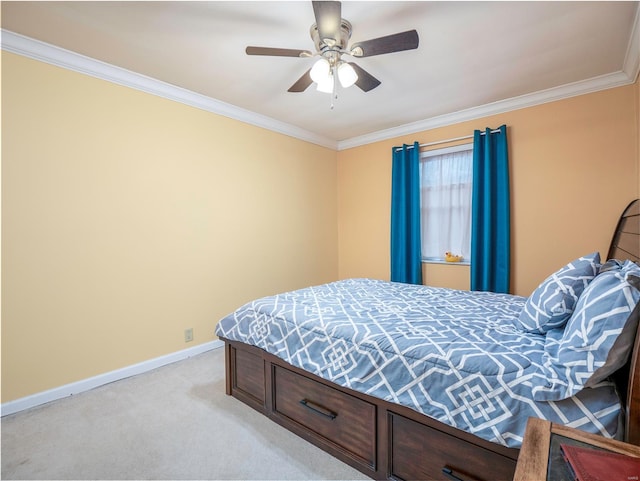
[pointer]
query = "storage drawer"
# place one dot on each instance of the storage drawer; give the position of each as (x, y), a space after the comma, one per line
(420, 452)
(341, 419)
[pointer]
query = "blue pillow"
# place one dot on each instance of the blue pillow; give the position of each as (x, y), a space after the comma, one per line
(598, 338)
(552, 303)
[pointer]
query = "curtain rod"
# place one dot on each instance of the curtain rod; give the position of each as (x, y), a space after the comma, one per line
(446, 141)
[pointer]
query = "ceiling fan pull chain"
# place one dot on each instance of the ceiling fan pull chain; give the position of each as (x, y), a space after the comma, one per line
(334, 94)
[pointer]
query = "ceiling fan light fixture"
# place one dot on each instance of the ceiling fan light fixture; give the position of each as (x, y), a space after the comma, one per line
(321, 71)
(331, 34)
(325, 85)
(347, 75)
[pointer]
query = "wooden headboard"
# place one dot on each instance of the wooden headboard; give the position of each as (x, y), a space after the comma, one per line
(625, 244)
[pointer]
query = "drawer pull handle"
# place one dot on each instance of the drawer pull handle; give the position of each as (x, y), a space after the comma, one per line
(448, 472)
(318, 409)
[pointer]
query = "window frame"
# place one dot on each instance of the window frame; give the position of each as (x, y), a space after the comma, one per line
(467, 146)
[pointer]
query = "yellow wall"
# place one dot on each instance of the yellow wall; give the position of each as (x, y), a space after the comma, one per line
(638, 128)
(574, 167)
(127, 218)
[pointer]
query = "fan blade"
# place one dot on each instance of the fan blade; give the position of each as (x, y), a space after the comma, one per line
(278, 52)
(365, 81)
(328, 20)
(391, 43)
(302, 83)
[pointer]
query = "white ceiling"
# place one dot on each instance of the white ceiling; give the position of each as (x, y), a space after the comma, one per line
(473, 57)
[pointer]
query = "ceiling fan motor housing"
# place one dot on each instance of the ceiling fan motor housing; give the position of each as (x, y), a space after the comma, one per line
(331, 48)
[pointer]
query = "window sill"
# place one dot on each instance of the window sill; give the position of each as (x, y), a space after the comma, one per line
(442, 261)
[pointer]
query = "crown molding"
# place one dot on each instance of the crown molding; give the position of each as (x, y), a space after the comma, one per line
(626, 76)
(60, 57)
(631, 65)
(595, 84)
(44, 52)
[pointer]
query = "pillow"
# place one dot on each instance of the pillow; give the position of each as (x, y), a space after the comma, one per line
(598, 338)
(552, 303)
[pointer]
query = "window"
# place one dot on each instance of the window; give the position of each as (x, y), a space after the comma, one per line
(446, 179)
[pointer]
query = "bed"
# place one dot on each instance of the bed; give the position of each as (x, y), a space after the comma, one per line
(416, 382)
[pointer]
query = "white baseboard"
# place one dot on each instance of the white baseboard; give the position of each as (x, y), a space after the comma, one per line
(43, 397)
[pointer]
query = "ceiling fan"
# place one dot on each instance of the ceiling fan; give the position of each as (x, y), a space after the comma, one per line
(331, 34)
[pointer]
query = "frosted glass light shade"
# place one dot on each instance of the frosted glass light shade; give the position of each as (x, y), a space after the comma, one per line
(347, 75)
(326, 85)
(320, 71)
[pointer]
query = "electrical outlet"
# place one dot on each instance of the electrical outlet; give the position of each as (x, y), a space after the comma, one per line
(188, 335)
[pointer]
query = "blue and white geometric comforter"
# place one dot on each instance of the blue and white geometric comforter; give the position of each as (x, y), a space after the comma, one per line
(452, 355)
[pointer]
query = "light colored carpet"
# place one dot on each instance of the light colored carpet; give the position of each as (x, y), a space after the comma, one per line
(172, 423)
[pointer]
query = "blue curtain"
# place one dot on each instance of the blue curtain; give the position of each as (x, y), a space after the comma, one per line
(406, 256)
(490, 211)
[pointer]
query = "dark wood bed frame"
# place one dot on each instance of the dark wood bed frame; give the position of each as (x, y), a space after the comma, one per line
(388, 441)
